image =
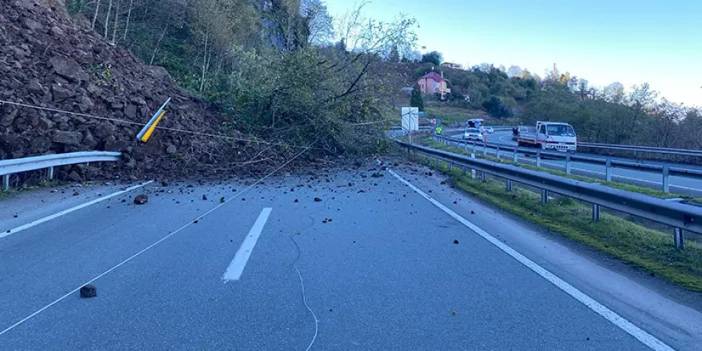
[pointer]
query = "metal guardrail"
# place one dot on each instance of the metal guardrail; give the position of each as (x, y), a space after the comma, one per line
(681, 217)
(9, 167)
(651, 149)
(608, 163)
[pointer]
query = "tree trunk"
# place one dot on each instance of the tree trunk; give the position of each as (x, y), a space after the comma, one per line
(158, 44)
(129, 17)
(97, 9)
(116, 23)
(107, 17)
(204, 64)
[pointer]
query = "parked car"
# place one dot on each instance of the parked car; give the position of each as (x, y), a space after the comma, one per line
(473, 134)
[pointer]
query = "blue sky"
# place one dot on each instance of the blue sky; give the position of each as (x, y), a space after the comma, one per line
(655, 41)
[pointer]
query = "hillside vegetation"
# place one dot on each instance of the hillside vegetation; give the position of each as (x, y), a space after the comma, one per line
(284, 71)
(270, 67)
(608, 115)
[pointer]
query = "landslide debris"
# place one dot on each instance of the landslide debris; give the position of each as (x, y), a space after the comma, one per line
(47, 59)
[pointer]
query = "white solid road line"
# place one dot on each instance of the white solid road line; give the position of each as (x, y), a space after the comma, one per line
(633, 330)
(236, 267)
(67, 211)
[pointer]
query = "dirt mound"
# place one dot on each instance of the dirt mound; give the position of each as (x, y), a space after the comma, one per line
(47, 60)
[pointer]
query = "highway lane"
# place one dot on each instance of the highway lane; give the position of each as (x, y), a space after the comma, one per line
(380, 267)
(678, 184)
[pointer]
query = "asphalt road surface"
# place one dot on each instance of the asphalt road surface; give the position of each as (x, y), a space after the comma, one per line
(382, 259)
(678, 184)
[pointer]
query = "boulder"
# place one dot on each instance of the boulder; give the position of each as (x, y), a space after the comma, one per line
(7, 118)
(89, 140)
(67, 137)
(60, 93)
(34, 86)
(31, 24)
(45, 123)
(74, 176)
(130, 111)
(85, 104)
(68, 68)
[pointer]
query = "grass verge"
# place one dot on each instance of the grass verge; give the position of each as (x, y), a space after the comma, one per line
(649, 249)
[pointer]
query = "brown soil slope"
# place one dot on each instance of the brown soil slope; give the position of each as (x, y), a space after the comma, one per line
(47, 60)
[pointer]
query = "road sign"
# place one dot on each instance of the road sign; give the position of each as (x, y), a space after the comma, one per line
(410, 119)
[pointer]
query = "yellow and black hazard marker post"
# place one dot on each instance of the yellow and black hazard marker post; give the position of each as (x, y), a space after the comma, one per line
(148, 130)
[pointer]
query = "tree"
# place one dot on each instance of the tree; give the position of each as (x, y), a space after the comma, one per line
(433, 57)
(515, 71)
(497, 108)
(583, 89)
(394, 55)
(643, 97)
(614, 93)
(97, 10)
(318, 21)
(416, 99)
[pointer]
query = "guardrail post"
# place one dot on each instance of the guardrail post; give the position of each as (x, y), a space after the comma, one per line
(544, 196)
(484, 149)
(497, 152)
(567, 164)
(472, 170)
(679, 238)
(508, 185)
(608, 170)
(595, 212)
(538, 158)
(515, 156)
(666, 181)
(50, 173)
(6, 182)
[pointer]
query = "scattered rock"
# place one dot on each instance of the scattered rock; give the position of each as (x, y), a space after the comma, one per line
(221, 200)
(88, 291)
(140, 199)
(204, 197)
(316, 199)
(455, 242)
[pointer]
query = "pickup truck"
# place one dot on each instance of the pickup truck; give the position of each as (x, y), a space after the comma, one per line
(548, 136)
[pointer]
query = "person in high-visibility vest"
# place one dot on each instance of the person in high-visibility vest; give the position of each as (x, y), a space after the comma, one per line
(438, 130)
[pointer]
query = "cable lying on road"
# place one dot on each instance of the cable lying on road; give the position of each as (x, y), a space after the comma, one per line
(304, 296)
